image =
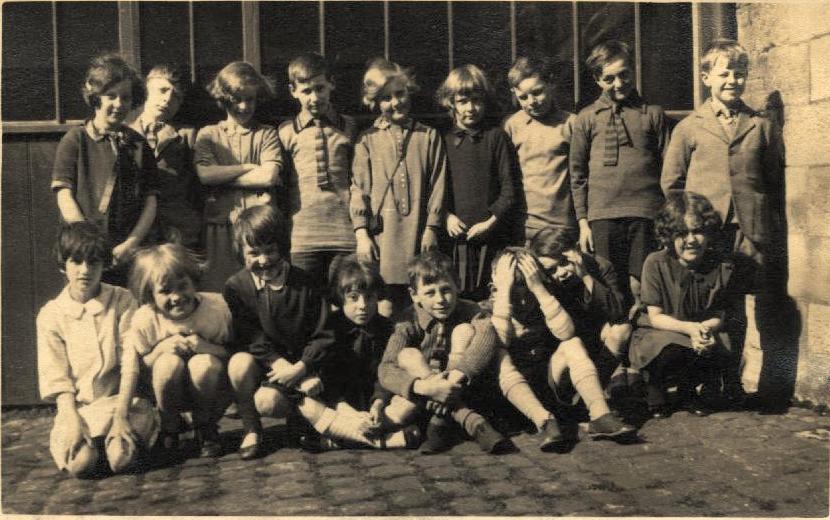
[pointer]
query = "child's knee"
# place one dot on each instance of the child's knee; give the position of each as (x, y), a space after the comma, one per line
(120, 454)
(461, 337)
(271, 403)
(204, 367)
(84, 462)
(616, 337)
(241, 366)
(411, 360)
(167, 367)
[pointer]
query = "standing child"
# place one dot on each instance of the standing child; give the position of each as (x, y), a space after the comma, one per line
(543, 360)
(439, 345)
(280, 340)
(541, 134)
(79, 352)
(482, 180)
(239, 159)
(732, 155)
(399, 168)
(180, 192)
(686, 288)
(180, 335)
(104, 171)
(616, 152)
(319, 143)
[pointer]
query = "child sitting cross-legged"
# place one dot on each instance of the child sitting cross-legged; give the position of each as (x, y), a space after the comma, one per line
(180, 335)
(79, 352)
(543, 360)
(438, 346)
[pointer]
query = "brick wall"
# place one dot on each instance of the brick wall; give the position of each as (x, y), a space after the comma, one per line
(789, 48)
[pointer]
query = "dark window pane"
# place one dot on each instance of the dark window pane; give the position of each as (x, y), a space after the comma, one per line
(667, 55)
(418, 39)
(354, 33)
(165, 34)
(286, 30)
(481, 36)
(545, 28)
(218, 37)
(85, 29)
(599, 22)
(28, 82)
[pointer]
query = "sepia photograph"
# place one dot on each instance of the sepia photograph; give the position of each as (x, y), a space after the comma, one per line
(398, 258)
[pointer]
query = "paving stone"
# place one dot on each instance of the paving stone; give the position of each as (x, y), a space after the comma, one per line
(299, 506)
(379, 458)
(442, 472)
(400, 483)
(337, 470)
(288, 488)
(455, 488)
(354, 480)
(492, 472)
(349, 495)
(383, 472)
(524, 506)
(373, 508)
(437, 460)
(503, 489)
(473, 506)
(408, 499)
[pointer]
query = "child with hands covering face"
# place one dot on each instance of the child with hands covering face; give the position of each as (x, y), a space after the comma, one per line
(542, 360)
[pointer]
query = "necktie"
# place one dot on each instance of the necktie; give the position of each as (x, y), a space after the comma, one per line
(151, 135)
(615, 136)
(440, 350)
(116, 140)
(321, 155)
(731, 120)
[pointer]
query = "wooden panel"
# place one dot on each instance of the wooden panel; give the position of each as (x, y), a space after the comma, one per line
(85, 29)
(667, 55)
(218, 35)
(545, 28)
(165, 34)
(354, 33)
(48, 280)
(287, 29)
(418, 33)
(598, 22)
(18, 331)
(28, 71)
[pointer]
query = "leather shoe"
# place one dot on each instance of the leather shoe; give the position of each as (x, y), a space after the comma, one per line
(252, 451)
(490, 440)
(550, 437)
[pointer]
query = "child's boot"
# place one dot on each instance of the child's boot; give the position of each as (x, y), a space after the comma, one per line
(207, 438)
(611, 428)
(490, 440)
(550, 437)
(438, 436)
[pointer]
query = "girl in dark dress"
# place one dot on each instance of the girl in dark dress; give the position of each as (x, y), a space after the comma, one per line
(686, 287)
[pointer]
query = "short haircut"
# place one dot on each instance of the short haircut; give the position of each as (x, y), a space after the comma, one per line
(260, 226)
(379, 73)
(82, 241)
(175, 74)
(734, 53)
(430, 267)
(236, 77)
(671, 219)
(159, 265)
(528, 66)
(348, 273)
(467, 80)
(608, 52)
(106, 71)
(306, 66)
(552, 242)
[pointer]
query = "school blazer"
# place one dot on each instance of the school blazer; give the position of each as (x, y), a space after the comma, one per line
(746, 170)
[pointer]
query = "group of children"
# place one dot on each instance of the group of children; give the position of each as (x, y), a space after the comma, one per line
(385, 289)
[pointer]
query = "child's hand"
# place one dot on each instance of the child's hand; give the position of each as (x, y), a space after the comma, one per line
(196, 343)
(311, 386)
(287, 374)
(481, 229)
(75, 433)
(438, 388)
(376, 412)
(455, 226)
(503, 275)
(177, 345)
(586, 237)
(122, 253)
(429, 241)
(701, 338)
(575, 258)
(532, 273)
(367, 249)
(122, 431)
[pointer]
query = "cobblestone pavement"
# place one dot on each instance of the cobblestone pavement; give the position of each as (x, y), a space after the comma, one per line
(728, 464)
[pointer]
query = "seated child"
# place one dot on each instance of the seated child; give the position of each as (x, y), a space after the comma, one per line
(588, 288)
(439, 344)
(180, 193)
(542, 357)
(686, 288)
(104, 172)
(482, 183)
(279, 338)
(180, 335)
(350, 378)
(79, 338)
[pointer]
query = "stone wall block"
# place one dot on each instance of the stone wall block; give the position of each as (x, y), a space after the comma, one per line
(820, 67)
(818, 188)
(819, 263)
(806, 131)
(798, 200)
(799, 265)
(788, 72)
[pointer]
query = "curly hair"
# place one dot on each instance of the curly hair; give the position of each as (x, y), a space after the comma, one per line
(348, 273)
(380, 72)
(82, 241)
(236, 77)
(671, 220)
(467, 80)
(106, 71)
(159, 265)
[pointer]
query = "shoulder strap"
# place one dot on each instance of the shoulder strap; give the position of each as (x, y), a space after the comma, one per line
(390, 178)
